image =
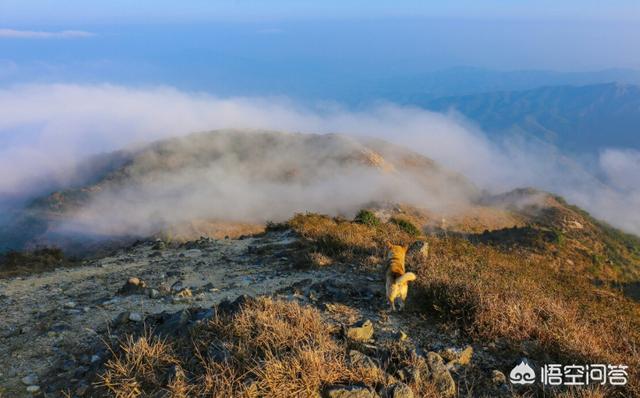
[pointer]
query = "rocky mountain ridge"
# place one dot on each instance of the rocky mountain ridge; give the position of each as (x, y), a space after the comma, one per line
(297, 307)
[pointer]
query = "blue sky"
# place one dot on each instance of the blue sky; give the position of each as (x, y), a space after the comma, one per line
(323, 49)
(79, 11)
(289, 56)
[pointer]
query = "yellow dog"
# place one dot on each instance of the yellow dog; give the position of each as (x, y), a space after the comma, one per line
(397, 279)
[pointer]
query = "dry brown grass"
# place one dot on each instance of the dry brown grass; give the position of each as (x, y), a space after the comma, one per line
(43, 259)
(517, 297)
(195, 229)
(345, 240)
(526, 300)
(523, 300)
(576, 392)
(139, 364)
(267, 349)
(584, 393)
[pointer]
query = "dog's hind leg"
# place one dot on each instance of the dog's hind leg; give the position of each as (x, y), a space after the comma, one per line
(403, 296)
(399, 303)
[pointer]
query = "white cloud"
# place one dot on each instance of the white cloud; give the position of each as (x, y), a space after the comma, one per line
(622, 167)
(44, 129)
(34, 34)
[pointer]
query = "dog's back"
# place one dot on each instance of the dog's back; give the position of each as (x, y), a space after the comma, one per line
(396, 260)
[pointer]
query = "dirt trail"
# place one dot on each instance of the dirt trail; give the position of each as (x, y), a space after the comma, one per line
(53, 325)
(47, 318)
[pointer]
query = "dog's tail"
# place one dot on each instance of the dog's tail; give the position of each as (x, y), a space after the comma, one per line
(405, 278)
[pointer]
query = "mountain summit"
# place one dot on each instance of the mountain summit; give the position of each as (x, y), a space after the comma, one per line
(196, 182)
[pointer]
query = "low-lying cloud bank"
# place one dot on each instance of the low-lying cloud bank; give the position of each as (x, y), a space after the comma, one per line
(46, 129)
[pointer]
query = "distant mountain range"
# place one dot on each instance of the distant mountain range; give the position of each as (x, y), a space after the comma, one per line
(461, 81)
(575, 118)
(577, 111)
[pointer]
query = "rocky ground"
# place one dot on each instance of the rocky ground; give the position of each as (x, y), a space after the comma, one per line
(55, 325)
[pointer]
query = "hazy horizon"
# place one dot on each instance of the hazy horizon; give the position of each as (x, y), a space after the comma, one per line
(305, 58)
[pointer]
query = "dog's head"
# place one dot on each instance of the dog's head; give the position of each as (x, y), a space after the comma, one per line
(396, 251)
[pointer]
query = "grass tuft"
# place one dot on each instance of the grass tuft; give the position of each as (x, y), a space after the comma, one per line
(268, 348)
(367, 217)
(15, 263)
(406, 226)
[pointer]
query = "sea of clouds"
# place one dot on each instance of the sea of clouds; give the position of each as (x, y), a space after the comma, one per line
(47, 130)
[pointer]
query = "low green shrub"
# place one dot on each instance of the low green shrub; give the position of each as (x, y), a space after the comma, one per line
(367, 217)
(406, 226)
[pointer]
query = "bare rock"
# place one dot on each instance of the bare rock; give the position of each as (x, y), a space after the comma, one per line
(465, 356)
(416, 373)
(184, 293)
(399, 390)
(121, 318)
(457, 357)
(173, 374)
(133, 286)
(164, 289)
(350, 392)
(356, 358)
(33, 389)
(29, 379)
(159, 245)
(82, 389)
(440, 375)
(360, 331)
(135, 317)
(498, 378)
(420, 248)
(173, 324)
(219, 352)
(176, 287)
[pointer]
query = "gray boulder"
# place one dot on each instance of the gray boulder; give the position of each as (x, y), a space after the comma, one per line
(350, 392)
(29, 379)
(498, 378)
(419, 248)
(133, 286)
(399, 390)
(356, 358)
(440, 375)
(360, 331)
